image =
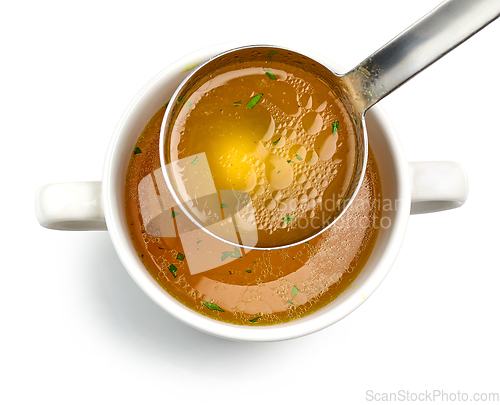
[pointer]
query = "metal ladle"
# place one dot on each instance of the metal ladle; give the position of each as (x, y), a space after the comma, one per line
(416, 48)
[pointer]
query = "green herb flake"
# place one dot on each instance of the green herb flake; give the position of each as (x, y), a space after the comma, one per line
(271, 53)
(276, 141)
(248, 271)
(195, 161)
(137, 151)
(225, 255)
(289, 161)
(237, 103)
(224, 205)
(172, 270)
(279, 171)
(180, 257)
(307, 242)
(295, 291)
(166, 104)
(255, 319)
(298, 157)
(254, 100)
(189, 104)
(290, 302)
(335, 127)
(236, 253)
(270, 74)
(174, 214)
(198, 241)
(288, 218)
(212, 307)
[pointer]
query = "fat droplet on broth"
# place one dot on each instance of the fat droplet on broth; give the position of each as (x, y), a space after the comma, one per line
(278, 172)
(312, 122)
(290, 204)
(326, 144)
(311, 158)
(321, 107)
(260, 190)
(312, 193)
(270, 204)
(301, 179)
(277, 195)
(297, 153)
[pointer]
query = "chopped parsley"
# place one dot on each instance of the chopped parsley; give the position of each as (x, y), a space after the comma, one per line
(137, 151)
(172, 270)
(237, 103)
(248, 271)
(288, 218)
(195, 161)
(211, 306)
(174, 214)
(254, 100)
(224, 205)
(180, 257)
(295, 291)
(235, 253)
(276, 141)
(298, 157)
(335, 127)
(255, 319)
(270, 74)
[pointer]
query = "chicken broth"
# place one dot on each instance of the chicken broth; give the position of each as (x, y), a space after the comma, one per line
(273, 132)
(236, 285)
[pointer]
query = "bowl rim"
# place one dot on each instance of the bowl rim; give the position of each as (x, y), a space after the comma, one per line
(113, 210)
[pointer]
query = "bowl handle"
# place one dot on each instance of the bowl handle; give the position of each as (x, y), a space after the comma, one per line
(437, 186)
(70, 206)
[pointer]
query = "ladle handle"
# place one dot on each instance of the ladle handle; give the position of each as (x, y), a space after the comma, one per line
(418, 47)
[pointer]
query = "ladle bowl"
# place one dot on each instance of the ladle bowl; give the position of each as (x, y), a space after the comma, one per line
(416, 48)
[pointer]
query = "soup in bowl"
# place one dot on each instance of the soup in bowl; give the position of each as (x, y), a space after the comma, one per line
(103, 205)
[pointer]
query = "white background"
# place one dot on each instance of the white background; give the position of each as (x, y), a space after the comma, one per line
(75, 329)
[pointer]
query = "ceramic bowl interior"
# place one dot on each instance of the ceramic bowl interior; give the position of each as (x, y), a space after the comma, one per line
(395, 187)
